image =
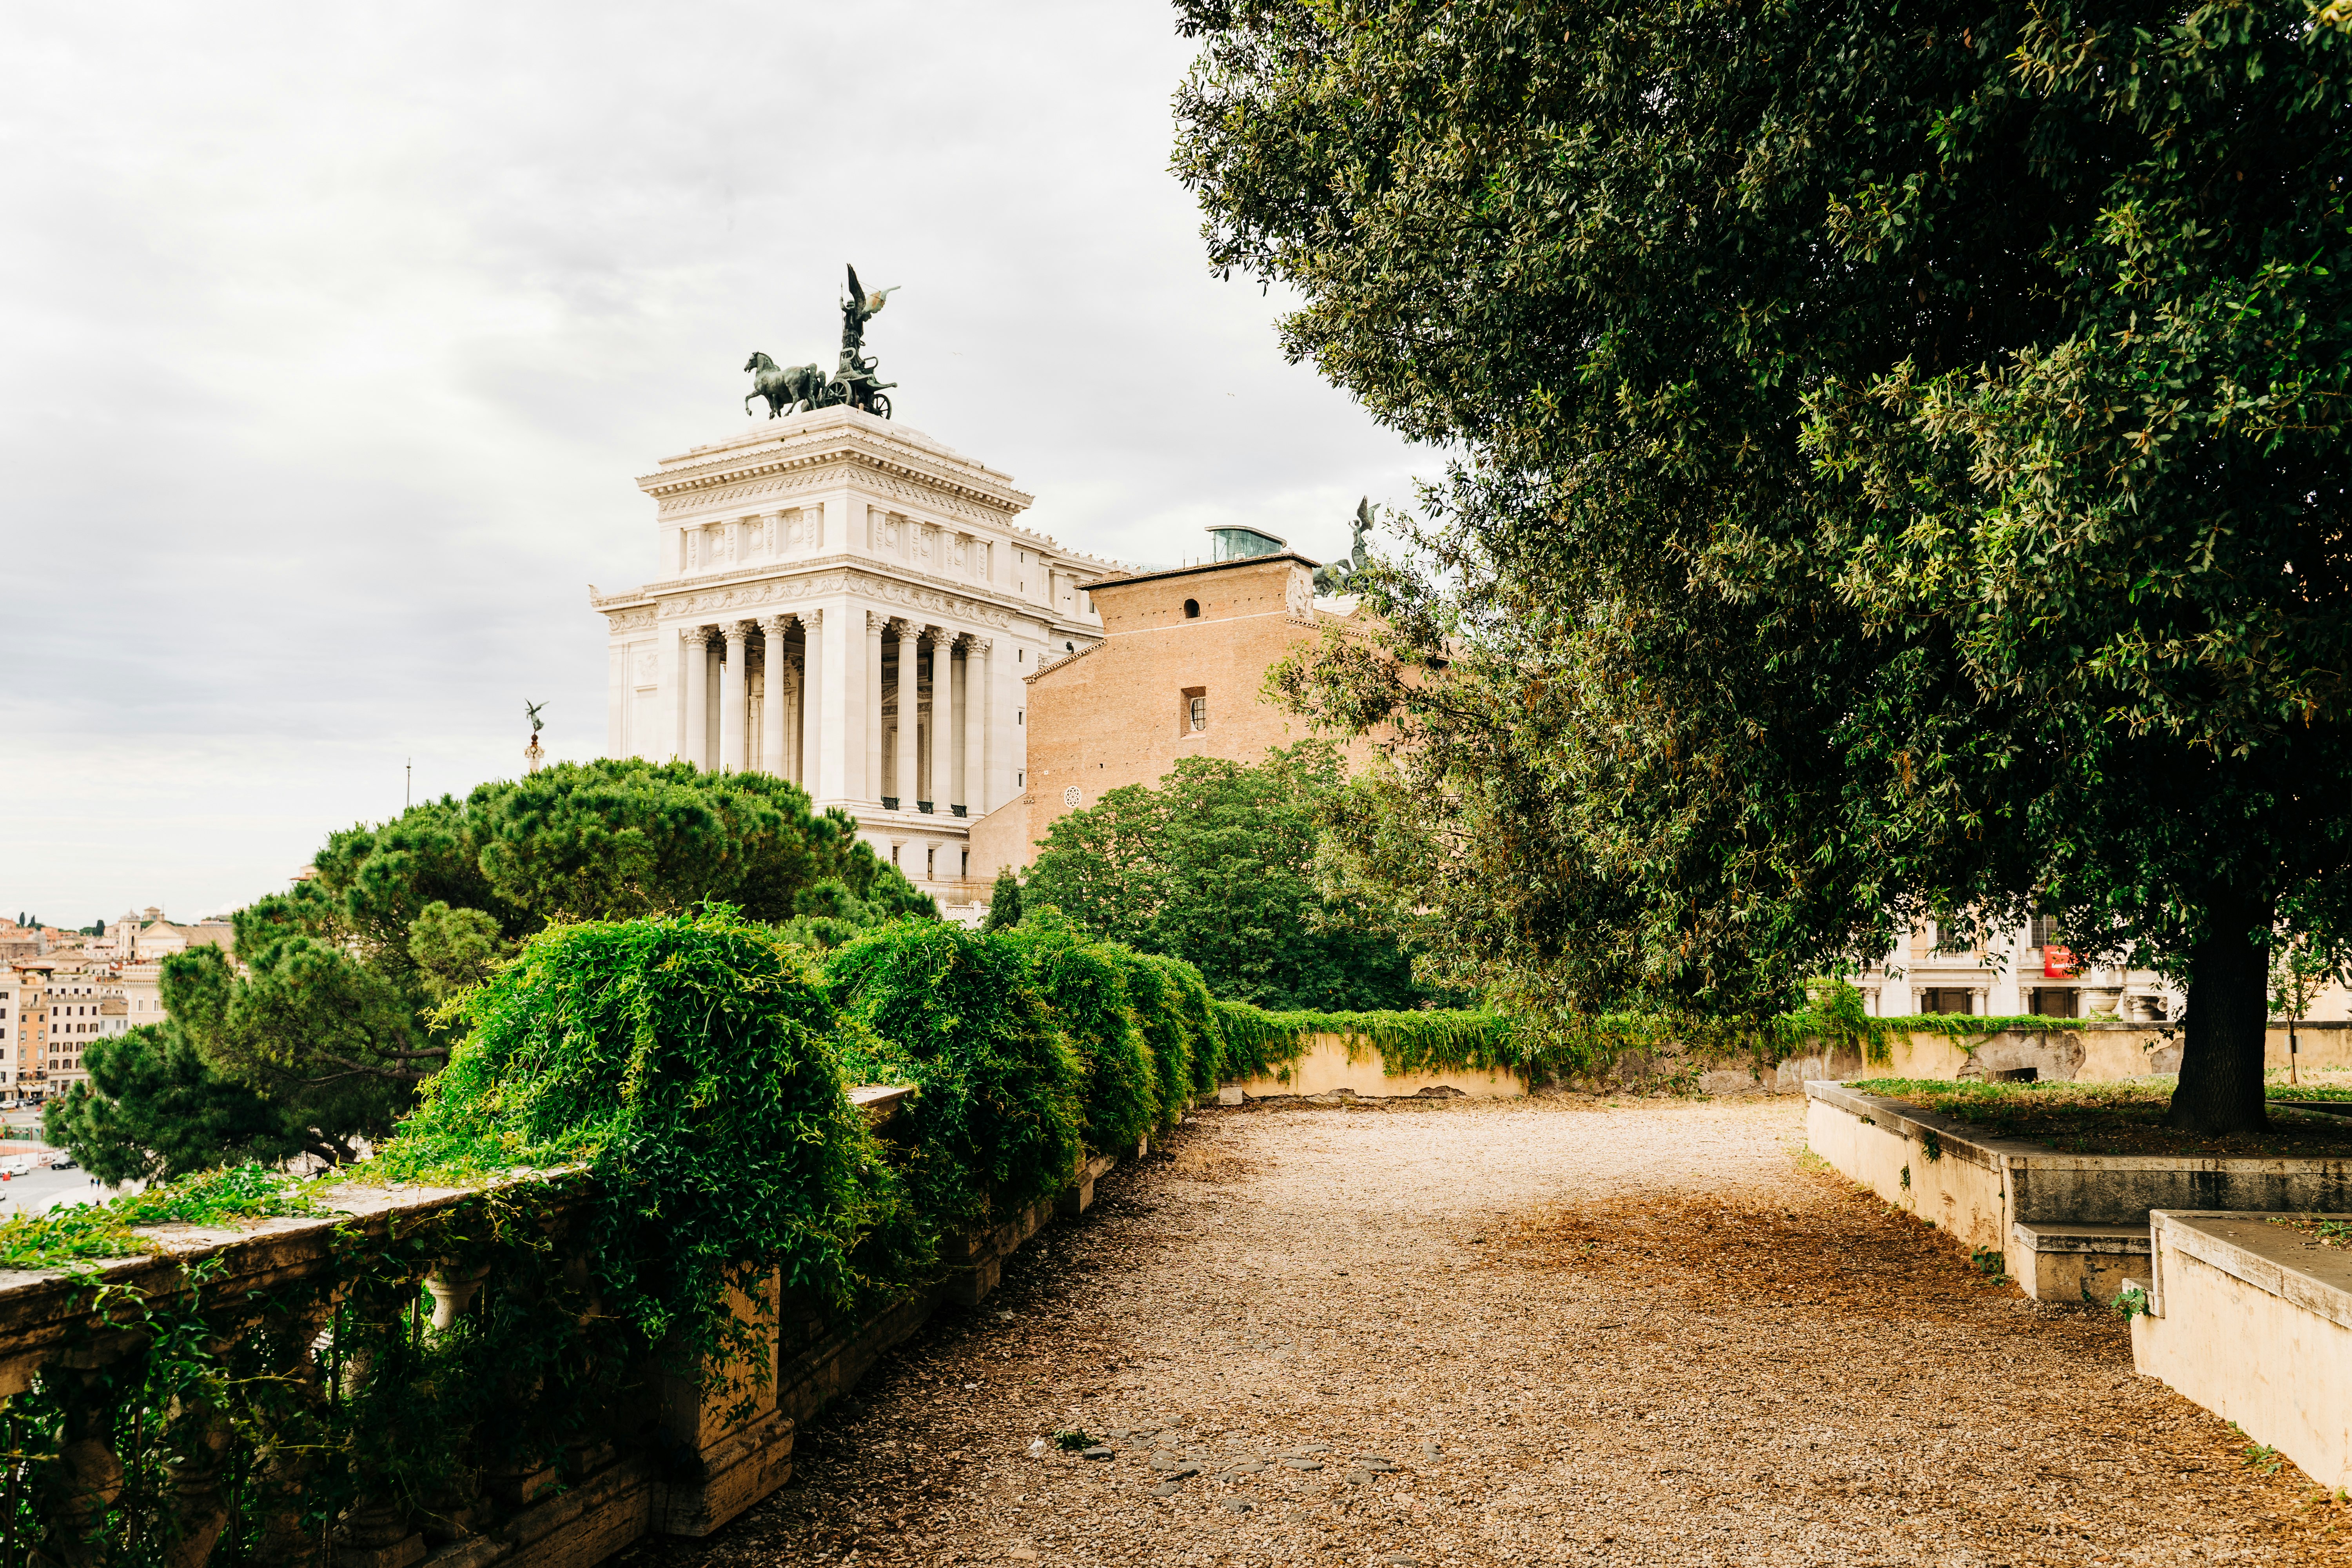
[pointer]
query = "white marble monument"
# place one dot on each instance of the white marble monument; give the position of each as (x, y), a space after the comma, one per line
(846, 602)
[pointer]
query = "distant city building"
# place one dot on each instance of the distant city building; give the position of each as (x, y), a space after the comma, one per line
(847, 604)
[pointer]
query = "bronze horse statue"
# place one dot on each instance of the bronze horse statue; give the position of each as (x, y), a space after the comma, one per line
(787, 388)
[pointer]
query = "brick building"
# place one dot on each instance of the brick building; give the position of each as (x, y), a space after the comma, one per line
(1180, 672)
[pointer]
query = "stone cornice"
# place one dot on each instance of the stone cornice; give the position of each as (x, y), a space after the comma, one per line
(842, 448)
(835, 568)
(840, 440)
(745, 593)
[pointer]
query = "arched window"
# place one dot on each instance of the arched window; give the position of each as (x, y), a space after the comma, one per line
(1192, 609)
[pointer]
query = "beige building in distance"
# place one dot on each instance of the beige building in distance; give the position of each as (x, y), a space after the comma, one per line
(1180, 671)
(847, 604)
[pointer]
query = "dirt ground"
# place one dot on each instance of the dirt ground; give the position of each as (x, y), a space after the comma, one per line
(1524, 1332)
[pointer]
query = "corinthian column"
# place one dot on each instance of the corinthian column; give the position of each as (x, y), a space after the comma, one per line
(869, 786)
(732, 709)
(901, 773)
(812, 695)
(975, 727)
(772, 726)
(697, 695)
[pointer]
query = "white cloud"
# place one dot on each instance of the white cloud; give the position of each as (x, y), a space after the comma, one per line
(337, 338)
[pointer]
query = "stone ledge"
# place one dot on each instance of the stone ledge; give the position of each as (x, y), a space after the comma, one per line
(2247, 1246)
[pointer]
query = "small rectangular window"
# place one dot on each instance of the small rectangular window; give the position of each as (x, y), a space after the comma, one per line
(1199, 712)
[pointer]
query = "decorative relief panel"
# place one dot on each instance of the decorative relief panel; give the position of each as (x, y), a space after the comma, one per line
(778, 484)
(649, 661)
(630, 620)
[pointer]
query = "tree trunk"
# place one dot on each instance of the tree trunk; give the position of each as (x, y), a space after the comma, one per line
(2229, 1008)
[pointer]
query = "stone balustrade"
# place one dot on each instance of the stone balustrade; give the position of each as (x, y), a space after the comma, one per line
(321, 1389)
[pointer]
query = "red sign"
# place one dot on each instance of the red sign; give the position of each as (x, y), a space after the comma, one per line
(2058, 963)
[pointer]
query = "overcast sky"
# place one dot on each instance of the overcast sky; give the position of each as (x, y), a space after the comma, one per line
(335, 337)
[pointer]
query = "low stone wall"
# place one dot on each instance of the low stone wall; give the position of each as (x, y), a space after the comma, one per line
(2066, 1225)
(2254, 1321)
(2094, 1051)
(1330, 1065)
(612, 1487)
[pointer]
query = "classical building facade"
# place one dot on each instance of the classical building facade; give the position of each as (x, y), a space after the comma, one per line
(846, 602)
(2026, 970)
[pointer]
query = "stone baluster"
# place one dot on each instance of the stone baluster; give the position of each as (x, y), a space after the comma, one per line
(199, 1438)
(376, 1531)
(82, 1483)
(286, 1404)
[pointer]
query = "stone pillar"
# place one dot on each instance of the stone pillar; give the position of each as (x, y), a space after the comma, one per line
(871, 786)
(1977, 998)
(697, 695)
(733, 700)
(813, 696)
(927, 707)
(987, 789)
(772, 728)
(974, 793)
(898, 775)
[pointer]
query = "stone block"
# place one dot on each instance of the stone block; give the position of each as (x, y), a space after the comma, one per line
(1232, 1095)
(2076, 1262)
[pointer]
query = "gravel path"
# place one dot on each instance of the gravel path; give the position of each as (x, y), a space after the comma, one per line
(1551, 1332)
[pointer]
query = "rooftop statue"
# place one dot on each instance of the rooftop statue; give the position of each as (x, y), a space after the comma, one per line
(1333, 579)
(790, 388)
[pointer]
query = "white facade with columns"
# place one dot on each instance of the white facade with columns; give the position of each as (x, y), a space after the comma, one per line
(847, 604)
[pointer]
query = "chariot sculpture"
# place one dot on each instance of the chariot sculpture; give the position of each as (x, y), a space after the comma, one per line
(790, 388)
(1333, 579)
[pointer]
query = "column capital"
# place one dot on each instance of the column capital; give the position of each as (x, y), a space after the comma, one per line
(736, 631)
(697, 633)
(874, 624)
(775, 626)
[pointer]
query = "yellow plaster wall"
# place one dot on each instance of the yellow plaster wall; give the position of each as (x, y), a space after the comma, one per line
(1960, 1197)
(1325, 1067)
(2279, 1371)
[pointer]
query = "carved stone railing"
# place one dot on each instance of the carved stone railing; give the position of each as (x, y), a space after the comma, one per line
(176, 1406)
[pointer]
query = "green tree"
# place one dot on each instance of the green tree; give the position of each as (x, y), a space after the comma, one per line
(151, 1109)
(333, 1012)
(1216, 865)
(1004, 901)
(1925, 508)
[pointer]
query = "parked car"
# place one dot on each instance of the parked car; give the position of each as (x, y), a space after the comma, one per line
(64, 1165)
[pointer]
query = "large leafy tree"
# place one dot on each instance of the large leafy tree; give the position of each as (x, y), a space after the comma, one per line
(1216, 865)
(1899, 473)
(331, 1014)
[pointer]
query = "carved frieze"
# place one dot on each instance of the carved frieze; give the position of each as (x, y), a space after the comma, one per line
(630, 620)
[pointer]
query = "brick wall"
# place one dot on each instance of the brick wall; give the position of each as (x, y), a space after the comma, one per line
(1122, 713)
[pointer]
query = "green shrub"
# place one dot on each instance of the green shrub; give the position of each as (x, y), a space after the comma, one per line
(1086, 983)
(1158, 1003)
(693, 1064)
(1203, 1018)
(997, 1124)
